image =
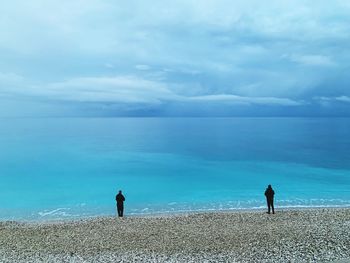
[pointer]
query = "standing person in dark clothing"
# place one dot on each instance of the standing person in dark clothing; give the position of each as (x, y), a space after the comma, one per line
(269, 193)
(120, 203)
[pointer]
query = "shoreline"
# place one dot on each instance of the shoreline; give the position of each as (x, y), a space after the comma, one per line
(293, 235)
(76, 218)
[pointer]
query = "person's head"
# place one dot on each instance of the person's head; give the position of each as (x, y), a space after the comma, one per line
(120, 191)
(269, 186)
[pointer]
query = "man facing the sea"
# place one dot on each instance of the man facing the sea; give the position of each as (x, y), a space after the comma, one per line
(120, 203)
(269, 193)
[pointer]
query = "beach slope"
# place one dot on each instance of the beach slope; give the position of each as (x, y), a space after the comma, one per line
(315, 235)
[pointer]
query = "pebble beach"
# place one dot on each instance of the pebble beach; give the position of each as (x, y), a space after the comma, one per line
(314, 235)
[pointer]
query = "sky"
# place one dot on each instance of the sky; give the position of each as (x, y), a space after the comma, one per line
(174, 58)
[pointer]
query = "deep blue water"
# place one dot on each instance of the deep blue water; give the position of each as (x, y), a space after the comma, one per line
(66, 168)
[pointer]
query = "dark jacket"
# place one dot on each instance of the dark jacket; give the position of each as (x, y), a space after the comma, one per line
(120, 198)
(269, 193)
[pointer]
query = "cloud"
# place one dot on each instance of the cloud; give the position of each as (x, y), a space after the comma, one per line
(120, 89)
(313, 60)
(328, 100)
(142, 67)
(343, 98)
(109, 65)
(246, 100)
(230, 52)
(132, 90)
(10, 78)
(9, 82)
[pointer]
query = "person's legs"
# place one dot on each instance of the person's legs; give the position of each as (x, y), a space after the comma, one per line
(272, 206)
(119, 210)
(268, 206)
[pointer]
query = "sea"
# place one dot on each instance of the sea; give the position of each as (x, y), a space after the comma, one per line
(72, 168)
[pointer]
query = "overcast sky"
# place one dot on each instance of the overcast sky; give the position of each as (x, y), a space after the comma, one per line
(175, 58)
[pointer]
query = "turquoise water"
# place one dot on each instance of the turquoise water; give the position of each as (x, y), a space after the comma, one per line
(68, 168)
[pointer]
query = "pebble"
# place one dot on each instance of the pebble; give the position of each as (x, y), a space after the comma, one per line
(315, 235)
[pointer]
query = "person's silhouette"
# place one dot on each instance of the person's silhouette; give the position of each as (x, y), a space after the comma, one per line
(120, 203)
(269, 193)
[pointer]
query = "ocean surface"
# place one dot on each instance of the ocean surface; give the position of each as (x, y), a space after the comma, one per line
(58, 168)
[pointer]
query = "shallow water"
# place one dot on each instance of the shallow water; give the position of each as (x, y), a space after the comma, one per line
(67, 168)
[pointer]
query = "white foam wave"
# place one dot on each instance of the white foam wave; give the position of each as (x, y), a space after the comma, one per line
(58, 211)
